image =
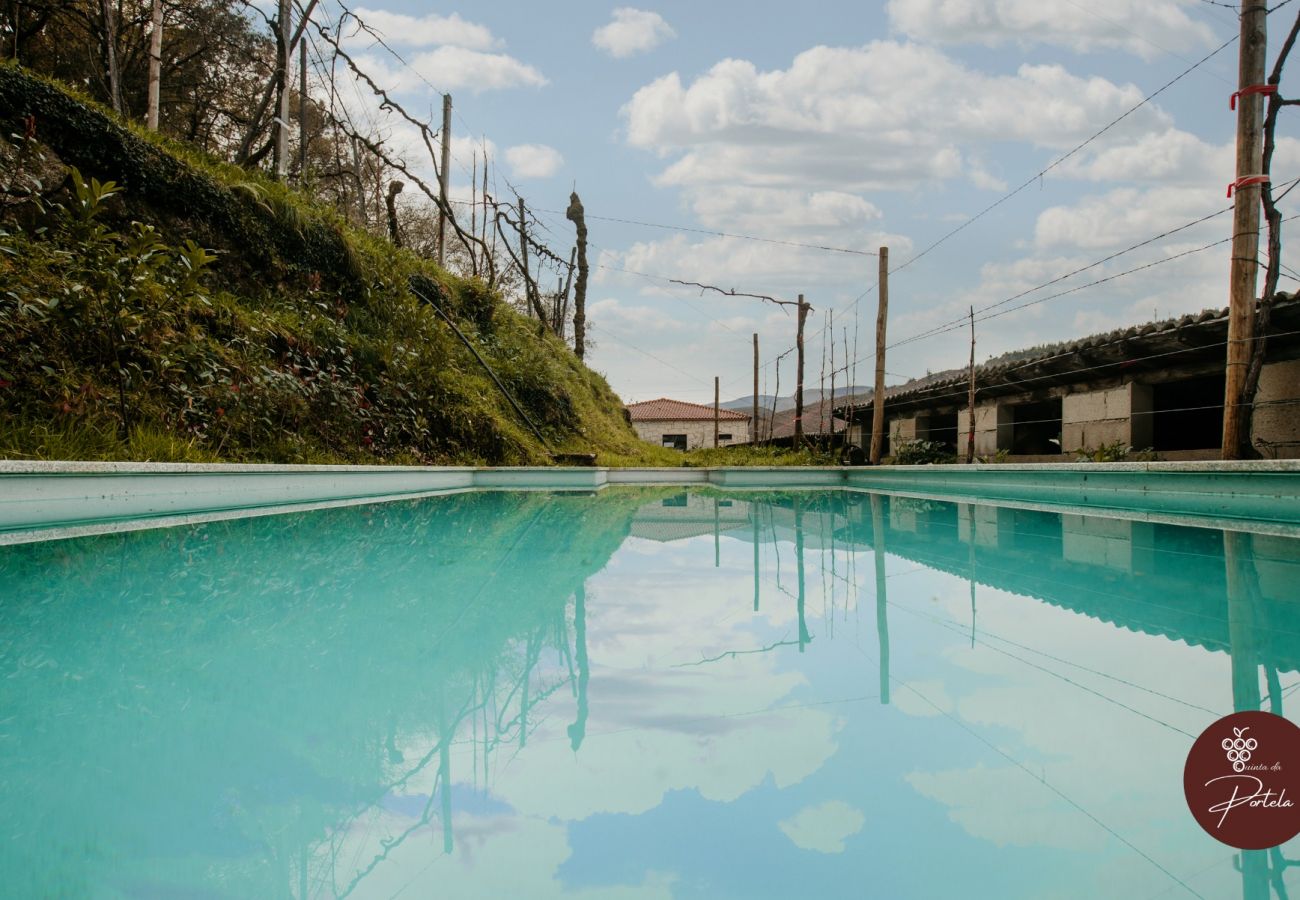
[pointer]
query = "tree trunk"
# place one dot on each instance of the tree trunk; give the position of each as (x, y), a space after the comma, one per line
(110, 56)
(576, 215)
(394, 233)
(155, 65)
(281, 131)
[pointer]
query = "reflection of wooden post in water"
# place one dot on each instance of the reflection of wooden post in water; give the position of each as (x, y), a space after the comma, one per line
(753, 518)
(578, 730)
(882, 613)
(523, 697)
(717, 541)
(444, 773)
(970, 561)
(1243, 593)
(804, 637)
(1243, 600)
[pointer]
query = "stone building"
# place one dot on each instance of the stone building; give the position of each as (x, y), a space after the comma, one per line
(1159, 385)
(685, 426)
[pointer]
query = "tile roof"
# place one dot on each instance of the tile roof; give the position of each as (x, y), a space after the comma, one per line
(664, 410)
(1154, 343)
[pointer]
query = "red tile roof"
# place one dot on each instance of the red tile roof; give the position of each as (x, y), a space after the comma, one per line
(665, 410)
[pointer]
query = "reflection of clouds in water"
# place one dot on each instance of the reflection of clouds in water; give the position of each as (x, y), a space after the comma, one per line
(1006, 806)
(657, 725)
(495, 857)
(823, 827)
(1120, 764)
(908, 702)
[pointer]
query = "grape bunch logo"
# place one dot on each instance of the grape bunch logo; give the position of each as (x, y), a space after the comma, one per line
(1239, 749)
(1242, 780)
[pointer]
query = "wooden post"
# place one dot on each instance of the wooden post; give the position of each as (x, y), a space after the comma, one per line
(970, 434)
(155, 65)
(821, 384)
(882, 314)
(753, 432)
(302, 112)
(255, 123)
(442, 185)
(832, 416)
(716, 397)
(798, 384)
(281, 149)
(523, 250)
(578, 216)
(1245, 227)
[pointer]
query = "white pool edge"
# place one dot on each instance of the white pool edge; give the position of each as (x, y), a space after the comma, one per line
(53, 500)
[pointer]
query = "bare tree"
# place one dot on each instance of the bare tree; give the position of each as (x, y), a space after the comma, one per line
(155, 65)
(576, 215)
(1273, 218)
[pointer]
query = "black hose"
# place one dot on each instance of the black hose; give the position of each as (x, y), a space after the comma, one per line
(482, 362)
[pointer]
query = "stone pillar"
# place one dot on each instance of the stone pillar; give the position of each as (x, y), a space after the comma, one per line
(1090, 419)
(1098, 542)
(1276, 421)
(905, 427)
(992, 427)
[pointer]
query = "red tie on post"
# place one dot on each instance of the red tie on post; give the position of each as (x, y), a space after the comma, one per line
(1246, 181)
(1253, 89)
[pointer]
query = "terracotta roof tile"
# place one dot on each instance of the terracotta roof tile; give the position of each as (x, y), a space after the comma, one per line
(663, 410)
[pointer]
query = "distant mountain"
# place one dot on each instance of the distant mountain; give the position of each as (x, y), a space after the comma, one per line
(744, 404)
(811, 397)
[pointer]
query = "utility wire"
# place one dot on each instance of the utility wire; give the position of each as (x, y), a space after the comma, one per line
(729, 234)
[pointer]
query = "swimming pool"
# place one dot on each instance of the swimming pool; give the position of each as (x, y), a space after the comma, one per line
(676, 691)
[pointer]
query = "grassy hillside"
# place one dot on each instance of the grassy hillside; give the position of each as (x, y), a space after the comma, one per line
(156, 304)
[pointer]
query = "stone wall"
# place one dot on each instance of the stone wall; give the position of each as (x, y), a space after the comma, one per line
(699, 432)
(992, 428)
(1276, 423)
(1090, 419)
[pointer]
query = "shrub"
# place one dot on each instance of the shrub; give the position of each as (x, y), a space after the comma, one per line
(1116, 451)
(919, 452)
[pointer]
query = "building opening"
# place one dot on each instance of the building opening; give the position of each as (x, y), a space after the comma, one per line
(943, 428)
(675, 441)
(1188, 414)
(1036, 428)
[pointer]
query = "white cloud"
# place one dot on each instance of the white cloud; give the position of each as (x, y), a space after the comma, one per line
(823, 827)
(1145, 29)
(885, 116)
(762, 210)
(425, 31)
(451, 68)
(632, 31)
(534, 160)
(1123, 216)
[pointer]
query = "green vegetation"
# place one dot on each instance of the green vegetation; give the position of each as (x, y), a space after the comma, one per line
(157, 309)
(919, 452)
(1116, 451)
(755, 456)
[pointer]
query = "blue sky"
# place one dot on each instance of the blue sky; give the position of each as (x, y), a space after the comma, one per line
(852, 126)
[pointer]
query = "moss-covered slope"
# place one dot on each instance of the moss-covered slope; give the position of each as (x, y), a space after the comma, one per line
(300, 342)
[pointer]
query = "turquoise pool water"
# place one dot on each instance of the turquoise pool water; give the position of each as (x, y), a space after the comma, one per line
(642, 693)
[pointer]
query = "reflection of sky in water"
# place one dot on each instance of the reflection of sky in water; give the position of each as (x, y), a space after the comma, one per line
(275, 707)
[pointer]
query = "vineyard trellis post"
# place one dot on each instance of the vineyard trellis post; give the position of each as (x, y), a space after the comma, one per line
(882, 316)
